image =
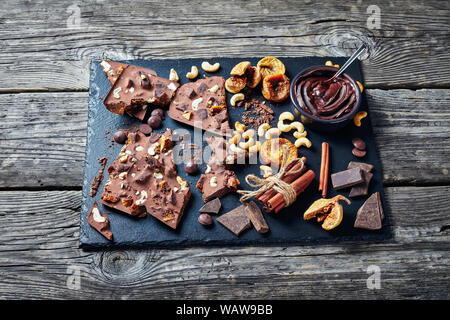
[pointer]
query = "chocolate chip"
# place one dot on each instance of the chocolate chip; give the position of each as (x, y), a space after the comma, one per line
(145, 82)
(120, 136)
(154, 122)
(145, 129)
(202, 114)
(191, 168)
(359, 143)
(205, 219)
(358, 153)
(201, 88)
(190, 93)
(129, 83)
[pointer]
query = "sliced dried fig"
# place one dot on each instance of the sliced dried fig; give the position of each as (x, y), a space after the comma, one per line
(327, 210)
(269, 66)
(271, 151)
(276, 87)
(253, 76)
(240, 68)
(235, 84)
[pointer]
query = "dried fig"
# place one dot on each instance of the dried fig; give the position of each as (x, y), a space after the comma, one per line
(269, 66)
(327, 210)
(276, 87)
(240, 68)
(253, 77)
(272, 151)
(235, 84)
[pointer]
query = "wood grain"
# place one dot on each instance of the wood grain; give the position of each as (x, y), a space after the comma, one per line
(43, 144)
(41, 243)
(45, 51)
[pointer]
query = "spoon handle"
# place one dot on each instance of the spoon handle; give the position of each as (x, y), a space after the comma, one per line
(350, 60)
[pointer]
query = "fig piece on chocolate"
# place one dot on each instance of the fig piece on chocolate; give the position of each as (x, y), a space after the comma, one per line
(276, 87)
(235, 84)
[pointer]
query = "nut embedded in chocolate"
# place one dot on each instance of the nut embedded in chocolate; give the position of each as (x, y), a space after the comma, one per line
(145, 129)
(120, 136)
(154, 122)
(359, 143)
(205, 219)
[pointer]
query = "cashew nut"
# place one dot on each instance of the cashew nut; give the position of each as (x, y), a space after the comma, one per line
(234, 148)
(272, 132)
(250, 133)
(297, 125)
(210, 68)
(193, 74)
(284, 127)
(262, 129)
(267, 171)
(248, 144)
(302, 142)
(255, 148)
(235, 139)
(298, 134)
(237, 97)
(286, 116)
(174, 75)
(239, 126)
(357, 119)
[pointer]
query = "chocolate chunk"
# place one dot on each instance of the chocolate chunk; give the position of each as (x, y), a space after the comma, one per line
(205, 219)
(145, 81)
(369, 216)
(99, 222)
(359, 143)
(133, 137)
(235, 220)
(256, 217)
(98, 179)
(145, 129)
(363, 188)
(201, 88)
(347, 178)
(130, 84)
(364, 166)
(359, 153)
(154, 122)
(202, 114)
(212, 206)
(189, 92)
(142, 177)
(191, 168)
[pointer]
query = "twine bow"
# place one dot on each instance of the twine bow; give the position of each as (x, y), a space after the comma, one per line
(272, 182)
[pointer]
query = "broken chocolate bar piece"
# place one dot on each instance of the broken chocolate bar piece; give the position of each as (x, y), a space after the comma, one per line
(217, 183)
(202, 104)
(235, 220)
(370, 215)
(363, 188)
(347, 178)
(212, 206)
(143, 179)
(364, 166)
(222, 155)
(136, 88)
(256, 217)
(99, 222)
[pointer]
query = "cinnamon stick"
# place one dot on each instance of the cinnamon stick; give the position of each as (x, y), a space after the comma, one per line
(276, 203)
(322, 165)
(326, 169)
(288, 178)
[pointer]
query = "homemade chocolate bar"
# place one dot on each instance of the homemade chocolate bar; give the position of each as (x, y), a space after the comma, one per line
(217, 183)
(202, 104)
(370, 215)
(136, 88)
(256, 217)
(212, 206)
(99, 222)
(363, 188)
(235, 220)
(143, 179)
(347, 178)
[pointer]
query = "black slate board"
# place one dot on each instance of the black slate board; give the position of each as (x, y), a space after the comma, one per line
(286, 227)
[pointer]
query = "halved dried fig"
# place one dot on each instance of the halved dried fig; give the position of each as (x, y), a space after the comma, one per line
(272, 151)
(235, 84)
(327, 210)
(240, 68)
(269, 66)
(276, 87)
(253, 76)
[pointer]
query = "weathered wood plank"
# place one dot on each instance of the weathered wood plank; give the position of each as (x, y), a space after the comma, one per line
(39, 239)
(43, 142)
(45, 49)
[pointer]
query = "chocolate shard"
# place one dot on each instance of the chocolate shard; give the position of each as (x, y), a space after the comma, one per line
(235, 220)
(256, 217)
(369, 216)
(364, 166)
(212, 206)
(347, 178)
(380, 206)
(361, 189)
(99, 222)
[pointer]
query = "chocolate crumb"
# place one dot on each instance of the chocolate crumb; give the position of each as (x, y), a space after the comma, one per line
(98, 179)
(256, 113)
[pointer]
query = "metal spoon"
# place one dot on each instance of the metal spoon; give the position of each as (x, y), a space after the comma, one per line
(348, 62)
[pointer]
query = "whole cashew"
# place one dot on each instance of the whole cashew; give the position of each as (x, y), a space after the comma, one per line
(174, 75)
(250, 133)
(302, 142)
(284, 127)
(267, 171)
(262, 129)
(286, 116)
(234, 148)
(193, 74)
(239, 126)
(298, 134)
(272, 132)
(210, 68)
(297, 125)
(248, 144)
(235, 139)
(237, 97)
(255, 148)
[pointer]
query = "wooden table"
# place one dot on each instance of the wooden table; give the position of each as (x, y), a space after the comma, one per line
(45, 55)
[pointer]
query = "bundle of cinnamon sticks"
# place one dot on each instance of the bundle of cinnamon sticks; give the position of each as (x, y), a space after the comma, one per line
(298, 179)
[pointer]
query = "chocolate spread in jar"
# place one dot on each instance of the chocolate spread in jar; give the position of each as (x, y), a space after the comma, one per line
(325, 99)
